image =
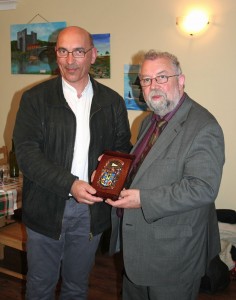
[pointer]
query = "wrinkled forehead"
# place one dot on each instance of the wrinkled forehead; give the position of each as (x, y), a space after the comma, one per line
(157, 66)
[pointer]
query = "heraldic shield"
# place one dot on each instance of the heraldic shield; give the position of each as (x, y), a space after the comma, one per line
(111, 174)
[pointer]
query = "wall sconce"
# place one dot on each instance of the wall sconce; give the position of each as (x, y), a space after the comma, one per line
(194, 23)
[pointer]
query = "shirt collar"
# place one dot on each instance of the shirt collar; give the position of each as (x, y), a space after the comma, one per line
(71, 89)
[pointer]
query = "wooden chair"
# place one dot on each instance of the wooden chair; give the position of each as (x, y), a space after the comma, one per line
(14, 236)
(3, 155)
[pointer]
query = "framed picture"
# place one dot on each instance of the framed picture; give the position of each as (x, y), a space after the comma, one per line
(133, 95)
(32, 48)
(101, 68)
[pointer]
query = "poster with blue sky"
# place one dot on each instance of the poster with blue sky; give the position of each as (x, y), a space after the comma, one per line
(32, 48)
(101, 68)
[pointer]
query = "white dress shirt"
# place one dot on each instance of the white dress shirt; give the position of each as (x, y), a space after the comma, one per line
(81, 108)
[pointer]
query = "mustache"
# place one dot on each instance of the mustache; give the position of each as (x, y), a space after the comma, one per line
(70, 67)
(156, 93)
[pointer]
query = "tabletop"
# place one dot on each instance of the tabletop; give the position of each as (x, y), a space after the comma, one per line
(10, 195)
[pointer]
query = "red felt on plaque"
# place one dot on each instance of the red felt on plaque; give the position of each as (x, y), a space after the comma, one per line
(111, 174)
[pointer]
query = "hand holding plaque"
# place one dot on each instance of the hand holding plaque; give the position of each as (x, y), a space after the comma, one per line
(111, 174)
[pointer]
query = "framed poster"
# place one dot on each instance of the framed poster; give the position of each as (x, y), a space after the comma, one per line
(133, 95)
(32, 48)
(101, 68)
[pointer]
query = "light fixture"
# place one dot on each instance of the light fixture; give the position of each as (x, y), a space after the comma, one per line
(193, 23)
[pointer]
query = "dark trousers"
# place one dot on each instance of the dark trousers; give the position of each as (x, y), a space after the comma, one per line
(72, 256)
(186, 291)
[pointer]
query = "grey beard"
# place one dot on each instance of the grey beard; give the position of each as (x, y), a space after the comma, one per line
(162, 108)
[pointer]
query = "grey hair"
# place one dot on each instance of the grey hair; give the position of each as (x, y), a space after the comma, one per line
(153, 55)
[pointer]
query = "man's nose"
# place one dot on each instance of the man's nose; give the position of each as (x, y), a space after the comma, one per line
(70, 57)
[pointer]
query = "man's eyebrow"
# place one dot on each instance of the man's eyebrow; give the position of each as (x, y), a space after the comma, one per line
(76, 48)
(164, 72)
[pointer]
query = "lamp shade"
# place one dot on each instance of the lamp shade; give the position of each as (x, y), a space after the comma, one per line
(193, 23)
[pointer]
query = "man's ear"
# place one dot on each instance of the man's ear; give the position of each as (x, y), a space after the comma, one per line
(181, 81)
(94, 55)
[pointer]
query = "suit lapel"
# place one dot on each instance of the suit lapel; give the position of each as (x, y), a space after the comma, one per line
(173, 128)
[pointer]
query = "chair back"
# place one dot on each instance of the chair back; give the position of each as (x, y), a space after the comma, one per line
(3, 155)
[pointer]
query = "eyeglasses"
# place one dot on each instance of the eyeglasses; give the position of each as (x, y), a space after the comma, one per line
(159, 79)
(77, 53)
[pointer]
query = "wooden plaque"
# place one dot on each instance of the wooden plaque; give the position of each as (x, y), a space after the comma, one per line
(111, 174)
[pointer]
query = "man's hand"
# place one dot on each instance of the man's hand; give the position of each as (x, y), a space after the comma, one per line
(127, 199)
(84, 192)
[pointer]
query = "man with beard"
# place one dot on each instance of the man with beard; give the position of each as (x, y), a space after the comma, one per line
(170, 230)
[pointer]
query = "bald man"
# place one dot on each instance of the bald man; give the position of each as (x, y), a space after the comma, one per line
(63, 125)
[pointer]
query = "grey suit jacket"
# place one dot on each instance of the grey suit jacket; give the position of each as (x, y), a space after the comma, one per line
(174, 235)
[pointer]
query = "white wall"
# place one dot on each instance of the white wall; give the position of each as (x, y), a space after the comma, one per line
(208, 61)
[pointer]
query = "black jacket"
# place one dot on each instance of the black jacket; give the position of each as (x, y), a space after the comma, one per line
(44, 137)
